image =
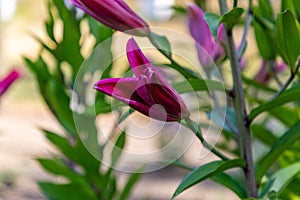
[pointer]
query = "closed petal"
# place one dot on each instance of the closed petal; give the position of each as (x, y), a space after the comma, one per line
(136, 58)
(8, 80)
(119, 88)
(165, 95)
(115, 14)
(201, 33)
(219, 45)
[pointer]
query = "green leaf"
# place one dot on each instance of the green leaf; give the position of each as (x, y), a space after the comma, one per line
(118, 148)
(198, 85)
(280, 114)
(111, 188)
(266, 8)
(129, 185)
(162, 43)
(59, 103)
(256, 85)
(290, 95)
(231, 18)
(287, 5)
(69, 48)
(66, 191)
(100, 32)
(50, 22)
(40, 71)
(57, 167)
(179, 9)
(212, 20)
(283, 177)
(229, 182)
(266, 41)
(60, 142)
(288, 37)
(283, 143)
(83, 157)
(206, 171)
(297, 7)
(262, 134)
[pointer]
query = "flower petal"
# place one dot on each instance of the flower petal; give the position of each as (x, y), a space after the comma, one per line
(201, 33)
(218, 48)
(119, 88)
(136, 58)
(116, 14)
(8, 80)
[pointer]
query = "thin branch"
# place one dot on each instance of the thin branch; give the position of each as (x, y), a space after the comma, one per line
(190, 124)
(288, 82)
(246, 31)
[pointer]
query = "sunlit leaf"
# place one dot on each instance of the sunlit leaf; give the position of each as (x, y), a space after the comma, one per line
(290, 95)
(232, 17)
(288, 37)
(282, 144)
(206, 171)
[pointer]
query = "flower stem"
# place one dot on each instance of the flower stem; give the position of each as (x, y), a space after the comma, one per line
(288, 82)
(240, 111)
(187, 73)
(196, 129)
(246, 30)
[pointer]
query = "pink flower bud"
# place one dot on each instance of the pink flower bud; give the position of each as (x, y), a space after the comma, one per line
(115, 14)
(208, 49)
(264, 74)
(8, 80)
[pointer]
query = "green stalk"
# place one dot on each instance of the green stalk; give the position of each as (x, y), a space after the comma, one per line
(196, 129)
(240, 111)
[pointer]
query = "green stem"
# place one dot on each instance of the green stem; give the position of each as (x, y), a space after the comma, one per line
(235, 3)
(246, 30)
(240, 111)
(196, 129)
(288, 82)
(219, 109)
(187, 73)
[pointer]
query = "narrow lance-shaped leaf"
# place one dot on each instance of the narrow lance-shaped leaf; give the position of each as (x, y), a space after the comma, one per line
(230, 183)
(283, 177)
(199, 85)
(282, 144)
(288, 37)
(132, 180)
(265, 41)
(117, 149)
(290, 95)
(206, 171)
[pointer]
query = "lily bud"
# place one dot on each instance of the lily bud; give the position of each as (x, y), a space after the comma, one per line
(115, 14)
(8, 80)
(208, 49)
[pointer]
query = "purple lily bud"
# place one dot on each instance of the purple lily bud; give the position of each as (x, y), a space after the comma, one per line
(148, 92)
(115, 14)
(264, 74)
(208, 49)
(8, 80)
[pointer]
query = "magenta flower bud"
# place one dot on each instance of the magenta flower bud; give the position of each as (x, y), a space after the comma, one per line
(115, 14)
(148, 92)
(8, 80)
(264, 74)
(208, 49)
